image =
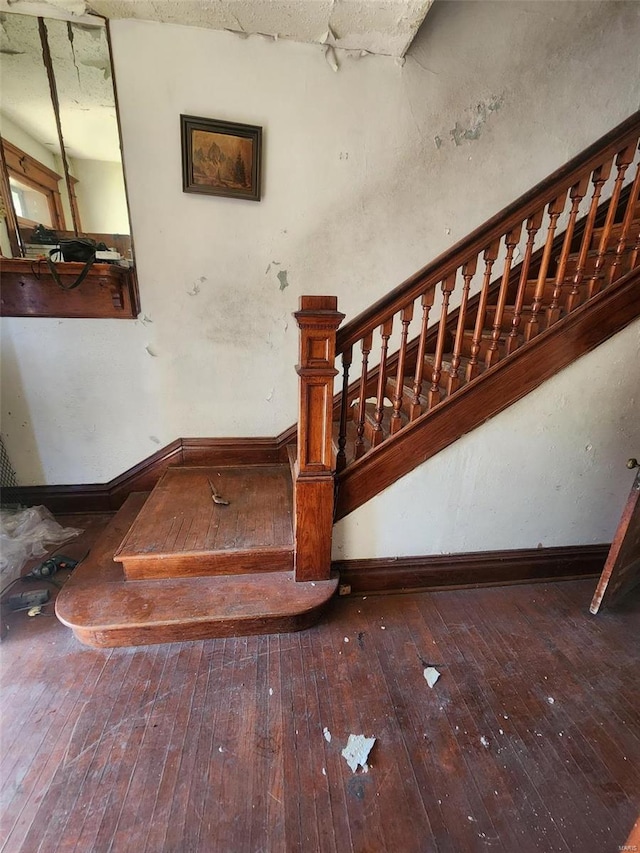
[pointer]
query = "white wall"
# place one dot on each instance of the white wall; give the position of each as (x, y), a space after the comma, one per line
(356, 197)
(101, 196)
(549, 470)
(23, 140)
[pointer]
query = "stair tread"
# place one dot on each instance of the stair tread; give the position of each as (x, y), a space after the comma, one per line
(182, 530)
(105, 609)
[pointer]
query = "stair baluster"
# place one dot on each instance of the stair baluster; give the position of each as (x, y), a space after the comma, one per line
(489, 257)
(518, 302)
(468, 272)
(435, 394)
(511, 241)
(623, 161)
(366, 344)
(427, 304)
(555, 209)
(577, 193)
(406, 317)
(385, 331)
(533, 226)
(341, 456)
(599, 178)
(630, 212)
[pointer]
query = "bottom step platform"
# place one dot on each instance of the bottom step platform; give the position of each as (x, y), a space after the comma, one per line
(105, 610)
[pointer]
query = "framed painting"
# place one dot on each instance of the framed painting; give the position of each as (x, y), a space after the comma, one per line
(221, 157)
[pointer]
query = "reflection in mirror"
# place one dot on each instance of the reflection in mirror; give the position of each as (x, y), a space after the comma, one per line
(28, 130)
(81, 70)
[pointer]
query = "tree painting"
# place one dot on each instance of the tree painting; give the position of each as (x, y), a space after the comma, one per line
(221, 160)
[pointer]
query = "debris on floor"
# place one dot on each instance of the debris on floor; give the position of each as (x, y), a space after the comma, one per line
(327, 734)
(484, 741)
(357, 750)
(431, 674)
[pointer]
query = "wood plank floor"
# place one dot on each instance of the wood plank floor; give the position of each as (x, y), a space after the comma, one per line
(530, 740)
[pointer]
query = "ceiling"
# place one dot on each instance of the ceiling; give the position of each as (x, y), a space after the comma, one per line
(385, 27)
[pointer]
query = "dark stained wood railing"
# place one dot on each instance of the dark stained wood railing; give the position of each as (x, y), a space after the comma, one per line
(455, 323)
(512, 279)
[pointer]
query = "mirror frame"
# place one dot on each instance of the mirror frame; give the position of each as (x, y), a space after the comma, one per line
(28, 289)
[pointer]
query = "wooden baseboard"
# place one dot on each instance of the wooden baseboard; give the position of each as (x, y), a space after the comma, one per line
(109, 497)
(482, 568)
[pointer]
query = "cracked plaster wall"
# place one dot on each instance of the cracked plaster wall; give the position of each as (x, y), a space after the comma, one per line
(357, 195)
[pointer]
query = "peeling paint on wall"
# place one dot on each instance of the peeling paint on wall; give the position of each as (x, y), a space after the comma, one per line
(332, 59)
(282, 278)
(480, 115)
(195, 290)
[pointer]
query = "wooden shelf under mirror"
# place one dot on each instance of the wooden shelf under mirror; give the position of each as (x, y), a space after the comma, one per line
(27, 289)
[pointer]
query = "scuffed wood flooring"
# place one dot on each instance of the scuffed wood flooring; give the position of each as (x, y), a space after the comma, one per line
(530, 740)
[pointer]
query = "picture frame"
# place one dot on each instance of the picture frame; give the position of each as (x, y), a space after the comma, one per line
(221, 158)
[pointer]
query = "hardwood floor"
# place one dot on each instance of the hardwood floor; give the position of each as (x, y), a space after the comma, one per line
(529, 741)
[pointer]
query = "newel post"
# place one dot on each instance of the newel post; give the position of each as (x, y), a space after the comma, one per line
(318, 320)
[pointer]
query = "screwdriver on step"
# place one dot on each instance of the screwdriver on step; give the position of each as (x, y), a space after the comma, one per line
(217, 497)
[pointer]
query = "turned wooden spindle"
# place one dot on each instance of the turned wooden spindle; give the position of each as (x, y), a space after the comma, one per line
(511, 241)
(532, 227)
(365, 345)
(577, 193)
(406, 317)
(341, 456)
(468, 272)
(427, 304)
(435, 395)
(623, 161)
(385, 331)
(489, 256)
(599, 178)
(625, 233)
(554, 210)
(318, 320)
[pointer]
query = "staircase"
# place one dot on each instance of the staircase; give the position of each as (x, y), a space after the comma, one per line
(176, 565)
(229, 549)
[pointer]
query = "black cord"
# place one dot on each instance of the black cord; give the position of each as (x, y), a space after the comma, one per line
(51, 554)
(9, 585)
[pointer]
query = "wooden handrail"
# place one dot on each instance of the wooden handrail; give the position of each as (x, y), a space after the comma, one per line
(512, 215)
(543, 273)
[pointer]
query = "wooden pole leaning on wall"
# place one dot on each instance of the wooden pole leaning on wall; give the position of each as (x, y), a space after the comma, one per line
(318, 320)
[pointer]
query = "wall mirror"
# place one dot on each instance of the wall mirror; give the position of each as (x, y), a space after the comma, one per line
(61, 164)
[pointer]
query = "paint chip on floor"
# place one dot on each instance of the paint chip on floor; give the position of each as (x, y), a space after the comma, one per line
(327, 734)
(431, 674)
(357, 750)
(271, 691)
(484, 741)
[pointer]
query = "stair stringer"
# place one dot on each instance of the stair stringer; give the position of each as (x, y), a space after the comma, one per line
(493, 391)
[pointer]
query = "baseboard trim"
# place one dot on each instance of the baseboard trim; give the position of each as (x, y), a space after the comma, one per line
(481, 568)
(109, 497)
